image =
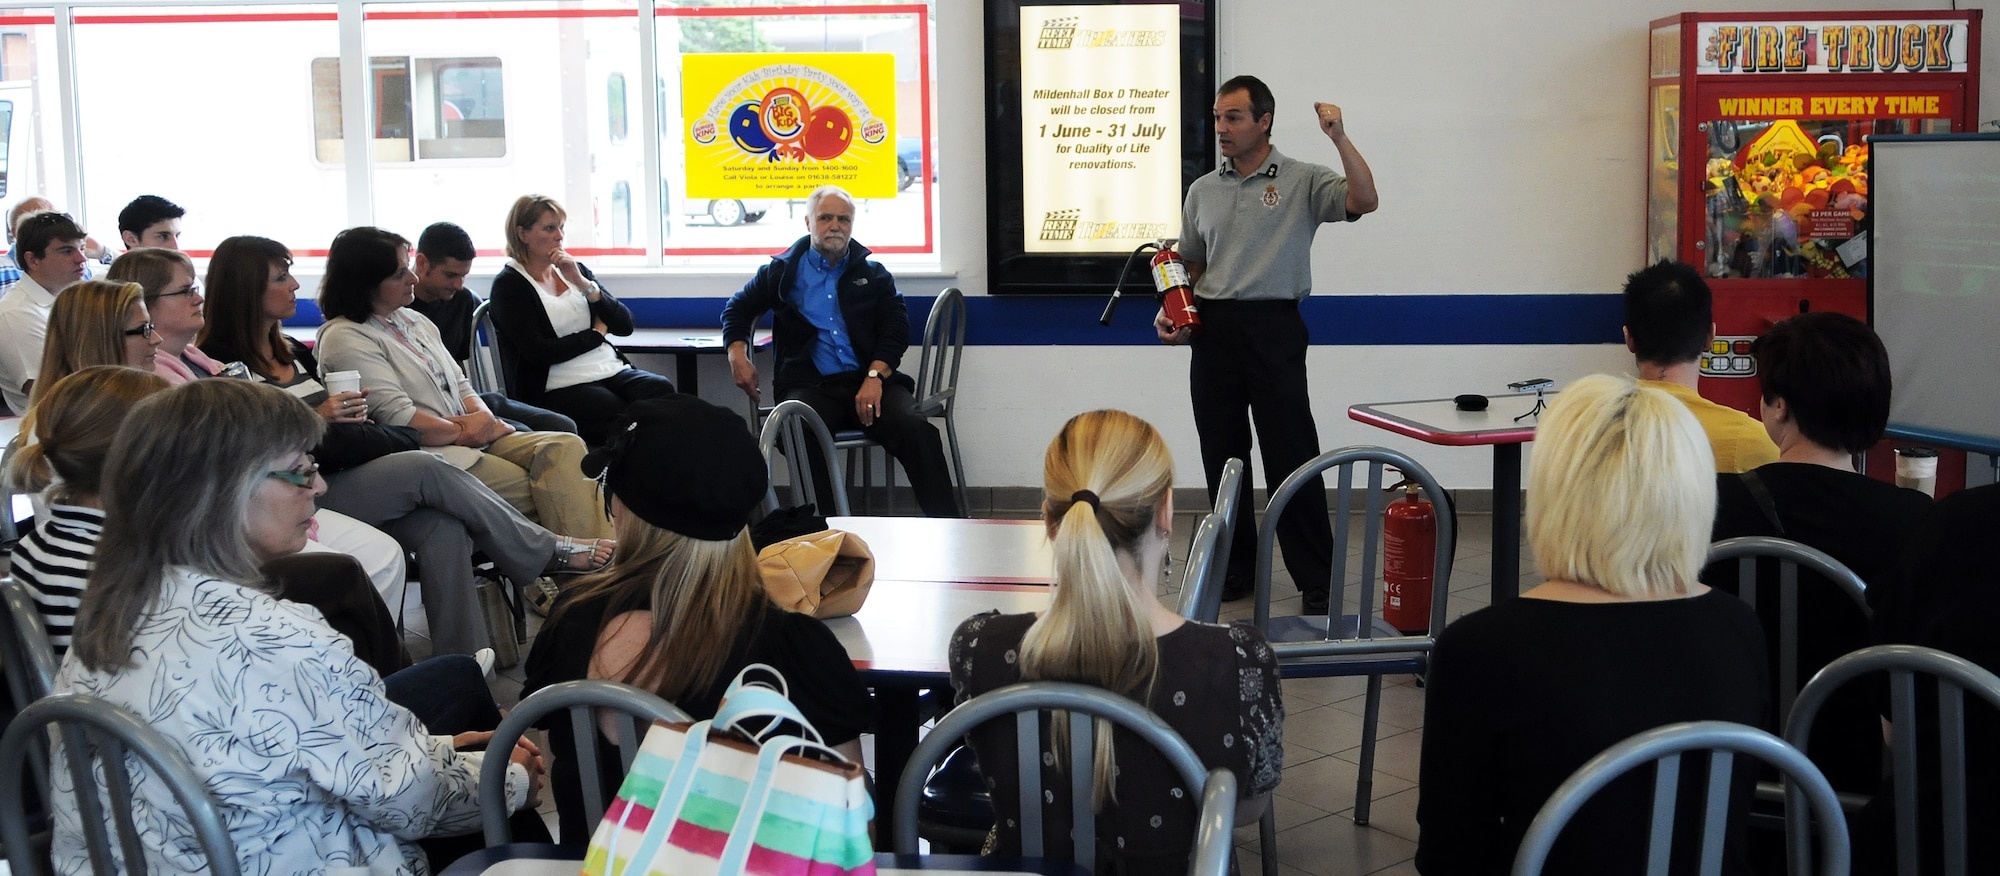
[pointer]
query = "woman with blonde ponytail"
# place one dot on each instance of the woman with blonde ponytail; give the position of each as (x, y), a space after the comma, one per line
(1108, 505)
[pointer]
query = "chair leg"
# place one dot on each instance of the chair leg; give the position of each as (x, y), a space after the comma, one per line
(957, 464)
(1267, 837)
(1364, 787)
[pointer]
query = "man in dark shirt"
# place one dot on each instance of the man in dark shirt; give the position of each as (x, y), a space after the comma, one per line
(444, 258)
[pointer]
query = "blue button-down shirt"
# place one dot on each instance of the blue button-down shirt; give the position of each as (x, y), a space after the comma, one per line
(817, 293)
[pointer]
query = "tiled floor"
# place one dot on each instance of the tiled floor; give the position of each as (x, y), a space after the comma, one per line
(1323, 724)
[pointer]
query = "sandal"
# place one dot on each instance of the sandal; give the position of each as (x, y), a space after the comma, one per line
(542, 594)
(576, 556)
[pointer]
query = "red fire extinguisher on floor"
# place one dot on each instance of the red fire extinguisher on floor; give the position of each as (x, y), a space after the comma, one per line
(1409, 556)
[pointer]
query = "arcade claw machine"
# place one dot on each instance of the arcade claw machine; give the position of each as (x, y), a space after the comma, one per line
(1758, 130)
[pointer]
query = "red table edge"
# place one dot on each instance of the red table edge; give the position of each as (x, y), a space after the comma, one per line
(1367, 414)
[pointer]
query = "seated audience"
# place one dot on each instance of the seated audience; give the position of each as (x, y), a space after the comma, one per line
(182, 603)
(174, 301)
(98, 322)
(1947, 597)
(444, 258)
(1619, 638)
(1107, 502)
(682, 609)
(49, 247)
(554, 321)
(376, 473)
(1825, 398)
(413, 381)
(151, 220)
(1669, 324)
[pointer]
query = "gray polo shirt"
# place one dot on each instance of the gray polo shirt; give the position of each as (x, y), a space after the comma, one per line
(1254, 235)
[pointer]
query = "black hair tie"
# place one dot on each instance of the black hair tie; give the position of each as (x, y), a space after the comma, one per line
(1086, 496)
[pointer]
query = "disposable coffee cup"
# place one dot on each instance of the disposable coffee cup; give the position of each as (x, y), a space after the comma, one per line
(1916, 469)
(338, 382)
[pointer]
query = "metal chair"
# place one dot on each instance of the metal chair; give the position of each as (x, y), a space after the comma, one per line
(1208, 552)
(25, 653)
(788, 428)
(1312, 646)
(9, 531)
(1664, 746)
(1026, 702)
(943, 344)
(1214, 838)
(1954, 675)
(484, 366)
(1790, 555)
(582, 699)
(96, 738)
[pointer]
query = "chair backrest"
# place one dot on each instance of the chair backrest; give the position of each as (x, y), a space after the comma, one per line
(9, 533)
(1664, 746)
(1375, 503)
(1025, 702)
(1215, 834)
(785, 433)
(636, 709)
(943, 346)
(1790, 556)
(484, 366)
(1208, 552)
(96, 737)
(25, 653)
(1954, 675)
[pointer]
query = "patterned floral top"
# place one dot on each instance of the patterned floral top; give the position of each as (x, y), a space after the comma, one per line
(312, 765)
(1216, 686)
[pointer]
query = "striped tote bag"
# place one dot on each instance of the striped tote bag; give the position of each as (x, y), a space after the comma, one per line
(752, 790)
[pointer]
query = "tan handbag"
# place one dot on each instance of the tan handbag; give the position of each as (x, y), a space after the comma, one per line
(825, 574)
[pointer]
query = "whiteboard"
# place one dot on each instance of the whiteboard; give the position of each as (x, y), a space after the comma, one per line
(1934, 289)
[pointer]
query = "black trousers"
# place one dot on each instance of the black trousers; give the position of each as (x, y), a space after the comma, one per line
(526, 417)
(1249, 366)
(906, 434)
(595, 406)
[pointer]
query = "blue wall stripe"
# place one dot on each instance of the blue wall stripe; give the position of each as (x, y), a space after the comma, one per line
(1443, 320)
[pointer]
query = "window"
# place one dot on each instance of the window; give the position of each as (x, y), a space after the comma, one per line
(464, 111)
(621, 213)
(6, 131)
(614, 93)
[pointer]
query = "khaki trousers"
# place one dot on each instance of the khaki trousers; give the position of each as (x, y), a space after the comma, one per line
(541, 475)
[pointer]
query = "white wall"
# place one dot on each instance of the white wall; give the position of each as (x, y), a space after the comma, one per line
(1508, 143)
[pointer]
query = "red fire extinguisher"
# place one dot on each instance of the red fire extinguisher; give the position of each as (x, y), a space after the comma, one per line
(1170, 280)
(1409, 555)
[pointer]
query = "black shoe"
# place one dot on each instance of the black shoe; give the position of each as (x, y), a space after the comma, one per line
(1235, 587)
(1313, 601)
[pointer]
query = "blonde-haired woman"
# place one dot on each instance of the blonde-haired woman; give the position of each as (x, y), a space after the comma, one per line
(1620, 637)
(554, 321)
(682, 608)
(1108, 505)
(97, 322)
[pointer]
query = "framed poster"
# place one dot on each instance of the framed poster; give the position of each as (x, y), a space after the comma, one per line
(1099, 120)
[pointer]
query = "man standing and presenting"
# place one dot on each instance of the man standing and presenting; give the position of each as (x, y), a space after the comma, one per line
(1669, 322)
(840, 332)
(1246, 235)
(50, 246)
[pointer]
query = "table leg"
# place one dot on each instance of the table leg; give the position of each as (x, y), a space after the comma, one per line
(1506, 522)
(895, 739)
(686, 374)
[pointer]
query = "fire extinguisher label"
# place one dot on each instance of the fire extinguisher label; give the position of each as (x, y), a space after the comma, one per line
(1168, 275)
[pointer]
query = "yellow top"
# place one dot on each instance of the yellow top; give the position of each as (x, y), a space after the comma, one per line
(1739, 441)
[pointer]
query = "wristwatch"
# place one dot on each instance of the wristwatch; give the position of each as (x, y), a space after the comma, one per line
(879, 375)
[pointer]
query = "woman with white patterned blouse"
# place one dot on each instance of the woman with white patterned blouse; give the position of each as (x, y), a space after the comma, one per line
(313, 766)
(1109, 508)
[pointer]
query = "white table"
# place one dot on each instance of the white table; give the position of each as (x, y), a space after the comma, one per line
(955, 550)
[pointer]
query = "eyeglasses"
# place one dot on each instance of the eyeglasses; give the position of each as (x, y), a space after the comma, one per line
(192, 289)
(301, 477)
(142, 330)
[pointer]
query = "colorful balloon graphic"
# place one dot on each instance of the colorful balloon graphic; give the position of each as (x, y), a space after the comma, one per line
(828, 133)
(747, 129)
